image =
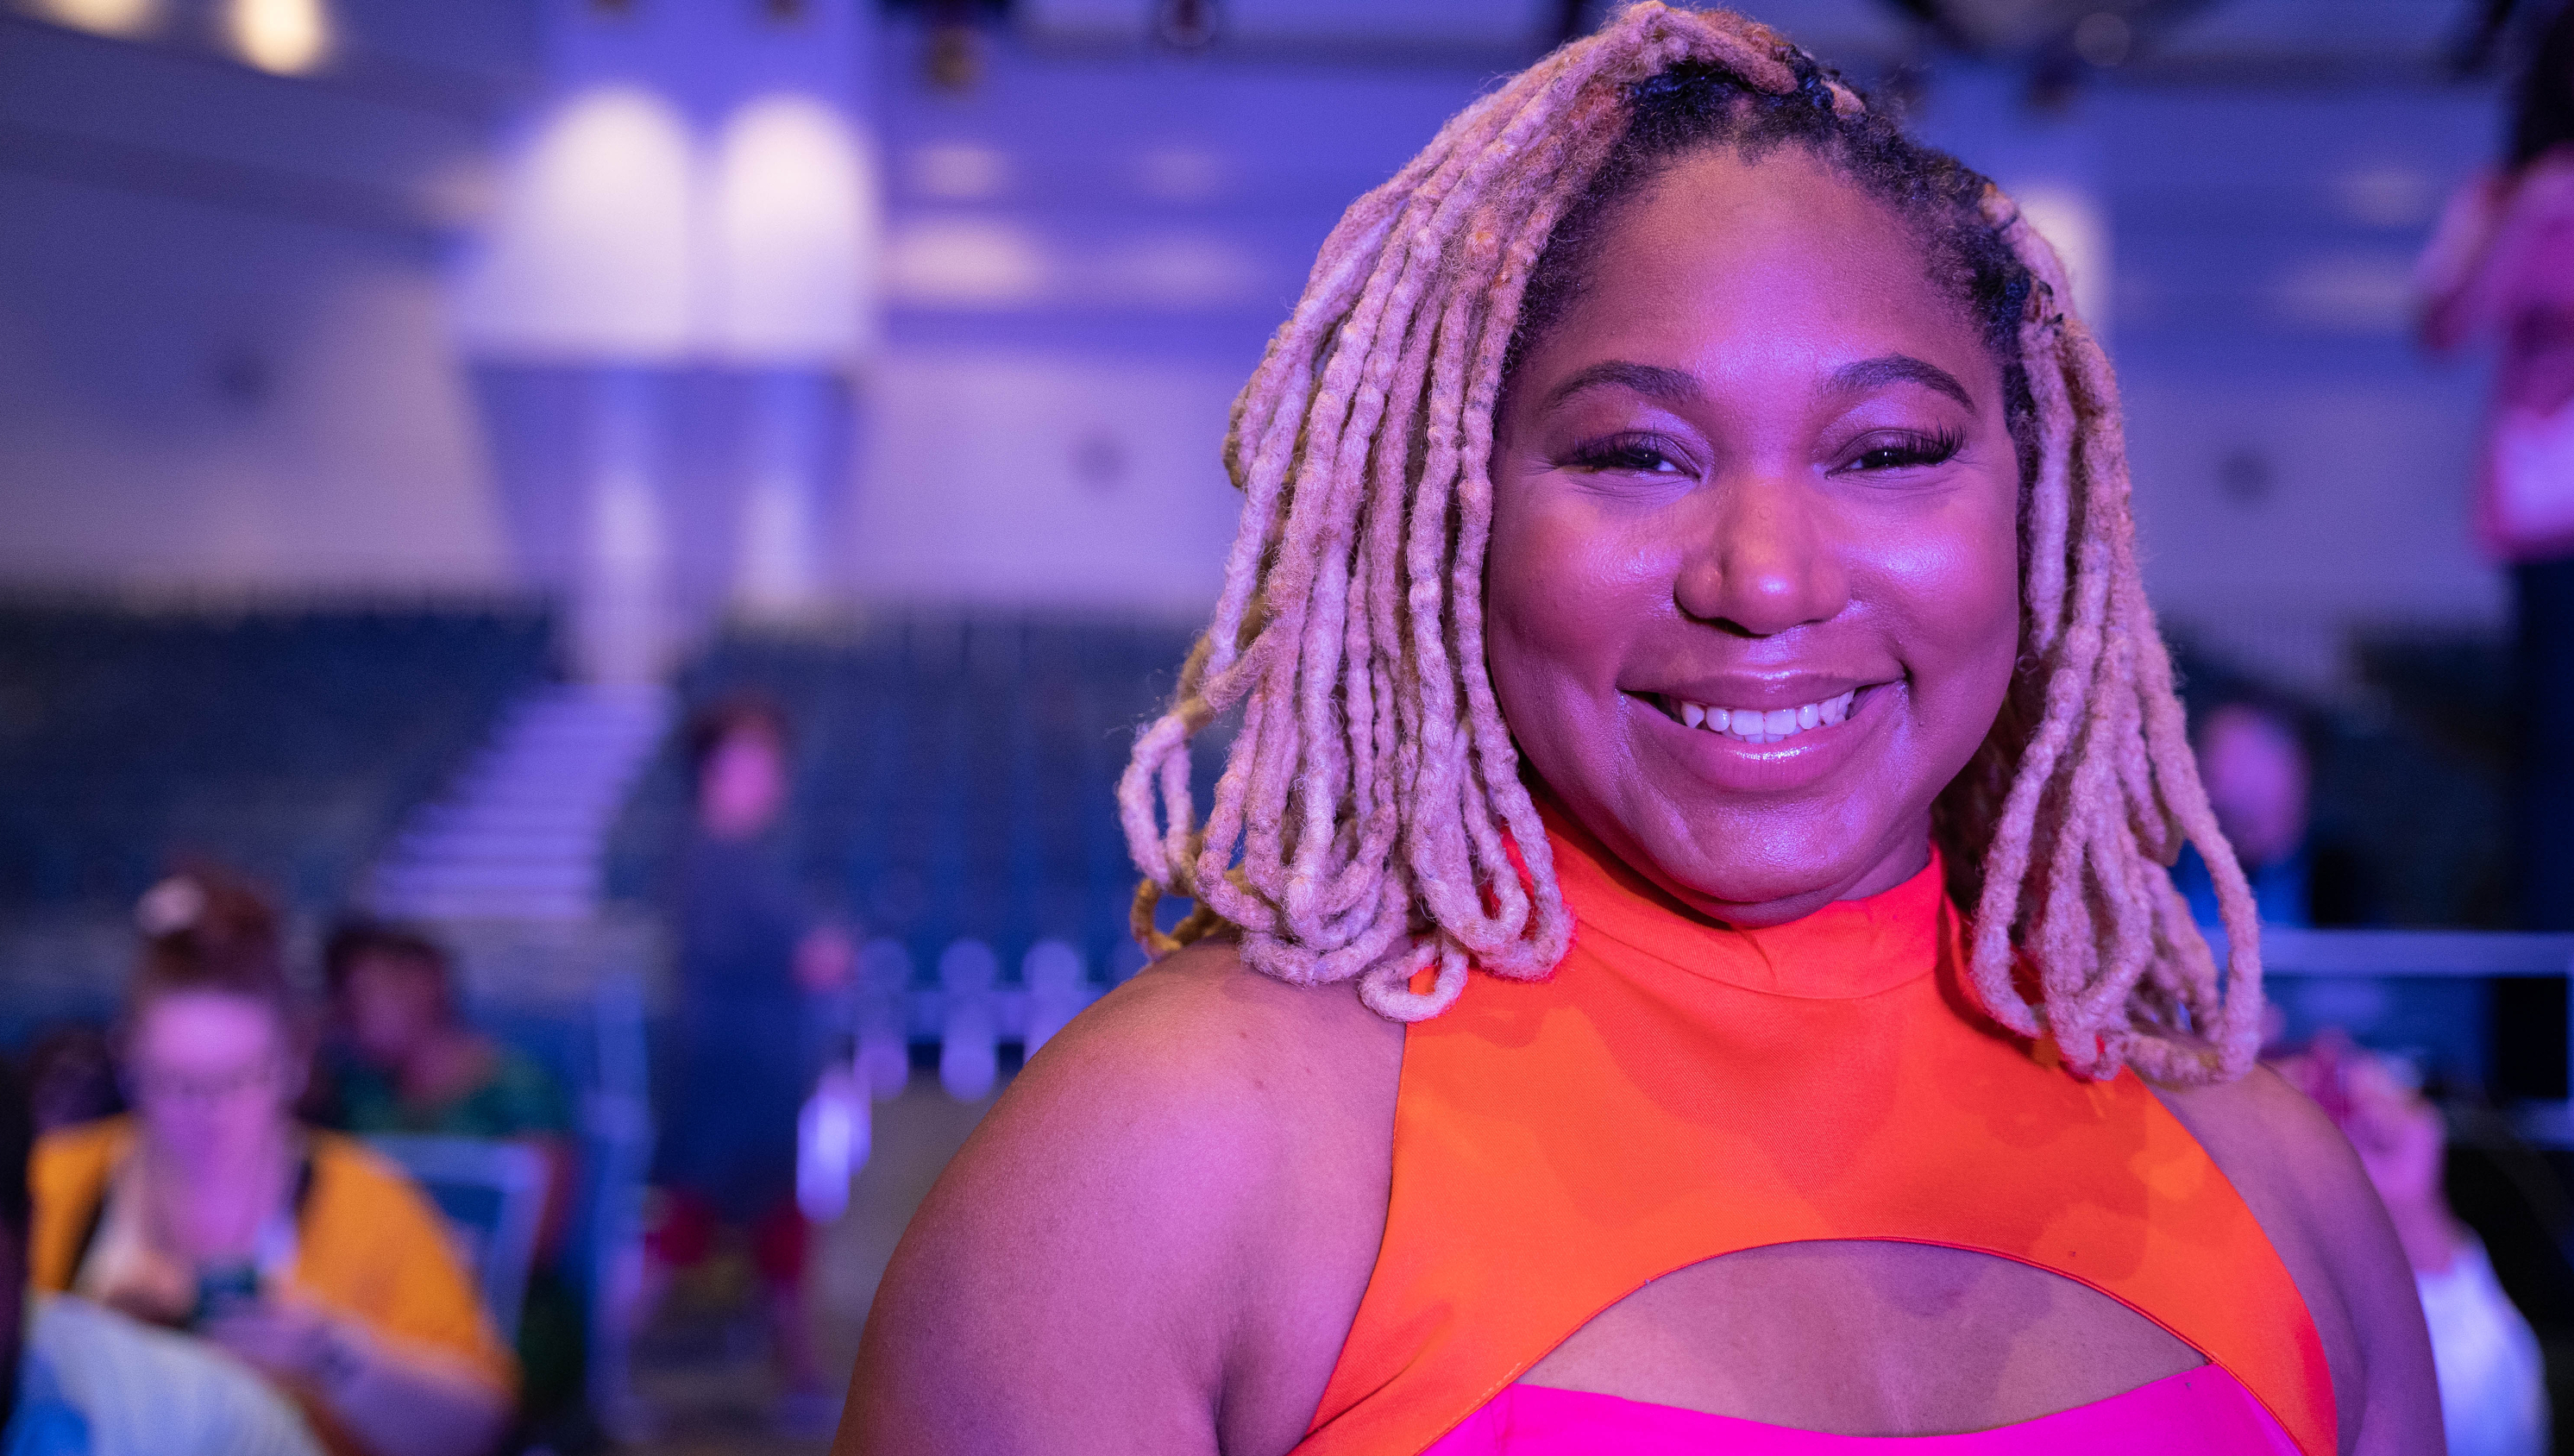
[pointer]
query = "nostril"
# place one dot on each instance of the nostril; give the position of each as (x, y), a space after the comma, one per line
(1754, 593)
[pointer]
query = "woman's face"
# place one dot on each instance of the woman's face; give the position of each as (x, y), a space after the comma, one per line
(2258, 782)
(210, 1077)
(392, 1005)
(742, 784)
(1758, 475)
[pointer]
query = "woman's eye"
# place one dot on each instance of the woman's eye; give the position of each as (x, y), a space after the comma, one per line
(1633, 457)
(1904, 452)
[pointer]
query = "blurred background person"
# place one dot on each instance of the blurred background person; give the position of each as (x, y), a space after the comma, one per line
(2259, 775)
(2501, 268)
(401, 1058)
(212, 1209)
(2493, 1388)
(79, 1379)
(752, 956)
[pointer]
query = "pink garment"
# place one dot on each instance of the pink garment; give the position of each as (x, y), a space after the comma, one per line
(2201, 1412)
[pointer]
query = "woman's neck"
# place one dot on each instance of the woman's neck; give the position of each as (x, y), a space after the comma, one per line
(208, 1210)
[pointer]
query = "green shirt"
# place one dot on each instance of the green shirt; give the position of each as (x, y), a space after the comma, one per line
(518, 1099)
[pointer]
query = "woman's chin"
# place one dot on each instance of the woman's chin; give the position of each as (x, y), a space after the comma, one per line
(1766, 869)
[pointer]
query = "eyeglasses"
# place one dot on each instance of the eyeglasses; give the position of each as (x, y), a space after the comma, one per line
(160, 1084)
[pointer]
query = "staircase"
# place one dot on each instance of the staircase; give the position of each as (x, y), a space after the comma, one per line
(520, 835)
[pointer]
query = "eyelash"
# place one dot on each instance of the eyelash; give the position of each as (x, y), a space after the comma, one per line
(1642, 453)
(1637, 452)
(1911, 452)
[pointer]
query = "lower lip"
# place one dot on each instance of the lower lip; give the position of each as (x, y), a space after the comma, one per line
(1791, 763)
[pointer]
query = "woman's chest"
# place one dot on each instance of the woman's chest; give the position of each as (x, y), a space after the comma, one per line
(1837, 1216)
(1868, 1339)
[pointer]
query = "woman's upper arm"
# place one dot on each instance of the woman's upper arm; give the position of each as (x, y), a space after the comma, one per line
(2400, 1413)
(1085, 1272)
(2303, 1183)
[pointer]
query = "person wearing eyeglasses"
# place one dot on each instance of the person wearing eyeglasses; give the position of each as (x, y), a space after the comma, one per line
(211, 1210)
(80, 1381)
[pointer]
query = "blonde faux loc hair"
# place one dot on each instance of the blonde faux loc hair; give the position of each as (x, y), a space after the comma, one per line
(1372, 794)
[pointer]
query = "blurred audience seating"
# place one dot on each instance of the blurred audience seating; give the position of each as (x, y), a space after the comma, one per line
(285, 741)
(493, 1196)
(954, 782)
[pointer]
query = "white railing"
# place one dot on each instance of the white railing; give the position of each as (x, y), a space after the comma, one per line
(2291, 952)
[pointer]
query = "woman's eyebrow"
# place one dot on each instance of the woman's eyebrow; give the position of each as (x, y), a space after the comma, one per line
(1659, 383)
(1886, 368)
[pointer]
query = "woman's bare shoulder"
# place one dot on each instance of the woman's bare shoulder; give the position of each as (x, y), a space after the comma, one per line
(1206, 990)
(1221, 1053)
(1156, 1238)
(2305, 1186)
(2271, 1130)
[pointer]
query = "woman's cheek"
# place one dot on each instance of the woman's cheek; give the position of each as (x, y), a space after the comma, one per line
(1998, 576)
(1562, 605)
(1957, 577)
(1545, 571)
(1975, 610)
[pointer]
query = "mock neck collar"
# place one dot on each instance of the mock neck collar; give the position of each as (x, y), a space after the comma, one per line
(1845, 950)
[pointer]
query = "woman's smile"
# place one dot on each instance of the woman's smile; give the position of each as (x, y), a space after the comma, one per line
(1751, 751)
(1763, 725)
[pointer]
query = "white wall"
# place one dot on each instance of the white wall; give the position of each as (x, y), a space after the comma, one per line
(2279, 516)
(1020, 476)
(223, 354)
(196, 399)
(1043, 425)
(2302, 472)
(1086, 253)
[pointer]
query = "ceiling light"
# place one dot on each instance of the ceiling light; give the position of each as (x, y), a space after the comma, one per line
(289, 37)
(104, 17)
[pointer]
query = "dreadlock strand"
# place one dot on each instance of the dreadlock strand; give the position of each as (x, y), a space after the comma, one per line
(1373, 650)
(2164, 736)
(2051, 511)
(1336, 890)
(1495, 762)
(2044, 348)
(1267, 417)
(2085, 1013)
(1342, 409)
(1348, 469)
(2068, 939)
(2009, 858)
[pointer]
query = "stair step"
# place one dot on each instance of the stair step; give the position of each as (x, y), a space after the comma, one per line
(520, 831)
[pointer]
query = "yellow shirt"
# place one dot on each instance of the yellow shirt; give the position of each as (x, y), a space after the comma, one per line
(368, 1245)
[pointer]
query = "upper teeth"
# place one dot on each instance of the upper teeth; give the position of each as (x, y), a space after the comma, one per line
(1759, 725)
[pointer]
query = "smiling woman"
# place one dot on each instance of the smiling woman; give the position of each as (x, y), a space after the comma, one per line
(1685, 576)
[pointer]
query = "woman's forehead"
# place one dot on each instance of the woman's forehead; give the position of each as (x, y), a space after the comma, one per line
(1735, 265)
(199, 1021)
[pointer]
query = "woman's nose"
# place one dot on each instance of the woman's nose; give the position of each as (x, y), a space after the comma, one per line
(1764, 563)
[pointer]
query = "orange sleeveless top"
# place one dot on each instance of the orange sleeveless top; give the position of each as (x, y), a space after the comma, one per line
(1679, 1090)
